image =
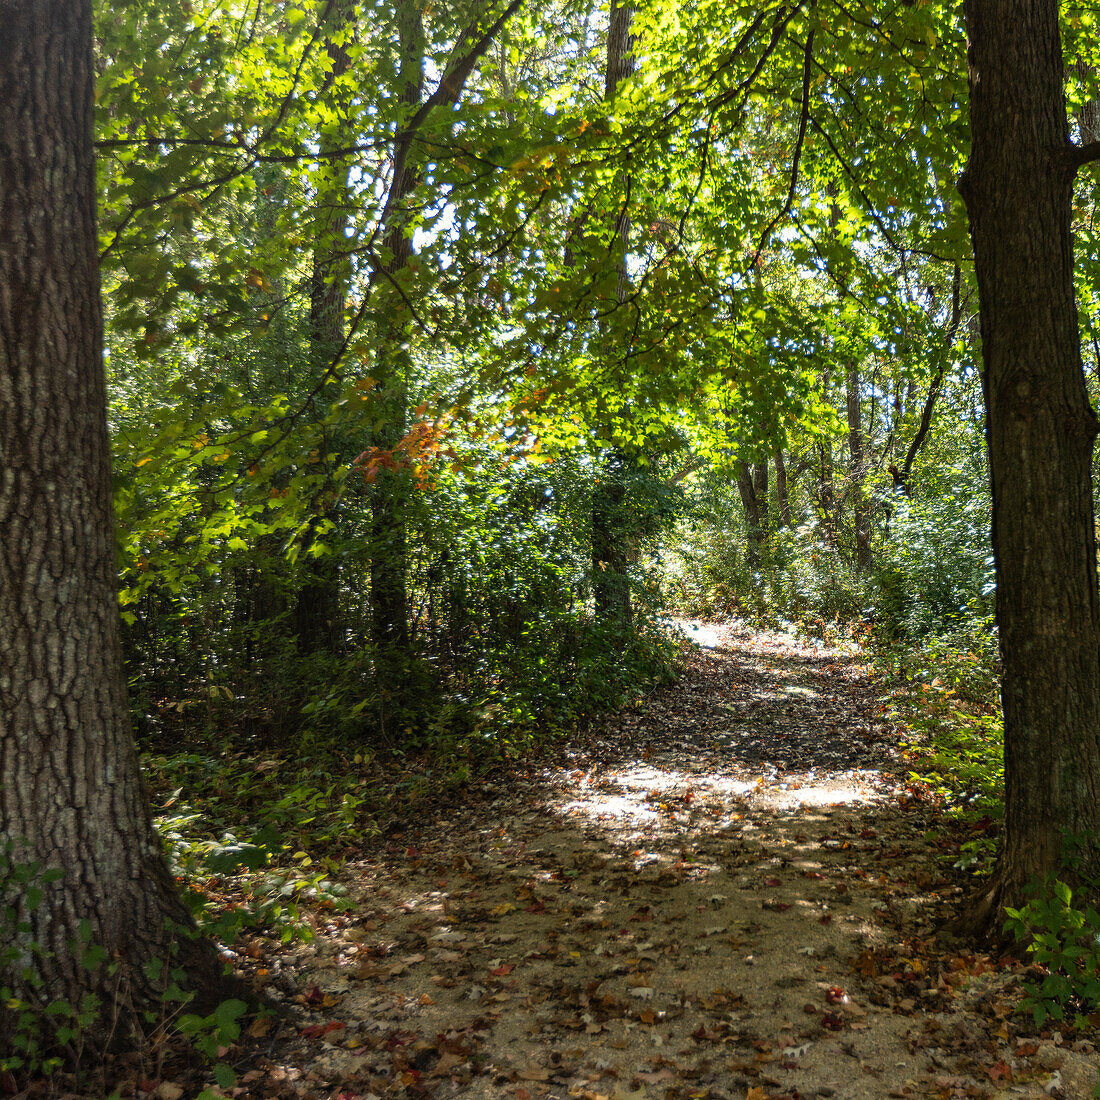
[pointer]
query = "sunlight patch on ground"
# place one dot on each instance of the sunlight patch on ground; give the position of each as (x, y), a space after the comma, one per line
(825, 791)
(645, 795)
(798, 689)
(702, 634)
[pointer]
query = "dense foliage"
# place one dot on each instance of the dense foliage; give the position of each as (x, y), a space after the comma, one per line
(450, 348)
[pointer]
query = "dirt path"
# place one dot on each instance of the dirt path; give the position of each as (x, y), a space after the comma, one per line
(728, 893)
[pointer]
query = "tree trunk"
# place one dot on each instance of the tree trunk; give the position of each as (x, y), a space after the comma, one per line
(611, 535)
(610, 544)
(781, 494)
(826, 496)
(72, 788)
(389, 595)
(861, 514)
(317, 606)
(1088, 117)
(1040, 432)
(752, 484)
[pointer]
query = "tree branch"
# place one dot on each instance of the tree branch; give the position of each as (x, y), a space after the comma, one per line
(803, 119)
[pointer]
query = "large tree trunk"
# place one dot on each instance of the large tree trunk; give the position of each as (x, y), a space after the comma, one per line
(1040, 429)
(71, 785)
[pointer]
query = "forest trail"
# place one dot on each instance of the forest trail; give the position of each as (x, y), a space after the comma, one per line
(728, 892)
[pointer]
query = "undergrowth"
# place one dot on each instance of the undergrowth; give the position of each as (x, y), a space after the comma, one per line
(945, 691)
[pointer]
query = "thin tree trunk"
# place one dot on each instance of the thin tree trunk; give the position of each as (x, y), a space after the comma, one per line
(760, 488)
(752, 484)
(317, 606)
(1040, 432)
(857, 469)
(611, 539)
(826, 495)
(902, 477)
(610, 543)
(71, 796)
(389, 596)
(781, 495)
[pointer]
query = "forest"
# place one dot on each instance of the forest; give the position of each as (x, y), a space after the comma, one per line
(514, 513)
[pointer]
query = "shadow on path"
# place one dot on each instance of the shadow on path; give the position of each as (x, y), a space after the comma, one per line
(727, 894)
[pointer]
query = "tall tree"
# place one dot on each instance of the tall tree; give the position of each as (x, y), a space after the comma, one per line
(389, 594)
(611, 541)
(317, 607)
(390, 281)
(752, 484)
(857, 469)
(781, 494)
(1041, 430)
(72, 788)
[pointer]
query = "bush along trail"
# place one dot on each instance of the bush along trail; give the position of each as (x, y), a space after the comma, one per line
(730, 890)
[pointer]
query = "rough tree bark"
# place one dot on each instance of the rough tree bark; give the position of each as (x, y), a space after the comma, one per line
(1088, 117)
(71, 785)
(1040, 430)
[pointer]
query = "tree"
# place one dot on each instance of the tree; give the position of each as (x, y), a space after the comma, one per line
(611, 550)
(857, 470)
(1041, 429)
(72, 788)
(317, 607)
(752, 483)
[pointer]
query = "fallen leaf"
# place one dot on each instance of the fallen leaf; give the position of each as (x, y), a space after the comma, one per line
(447, 1061)
(317, 1031)
(260, 1026)
(533, 1072)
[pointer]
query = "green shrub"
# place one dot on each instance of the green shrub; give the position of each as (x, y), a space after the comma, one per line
(1063, 938)
(935, 572)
